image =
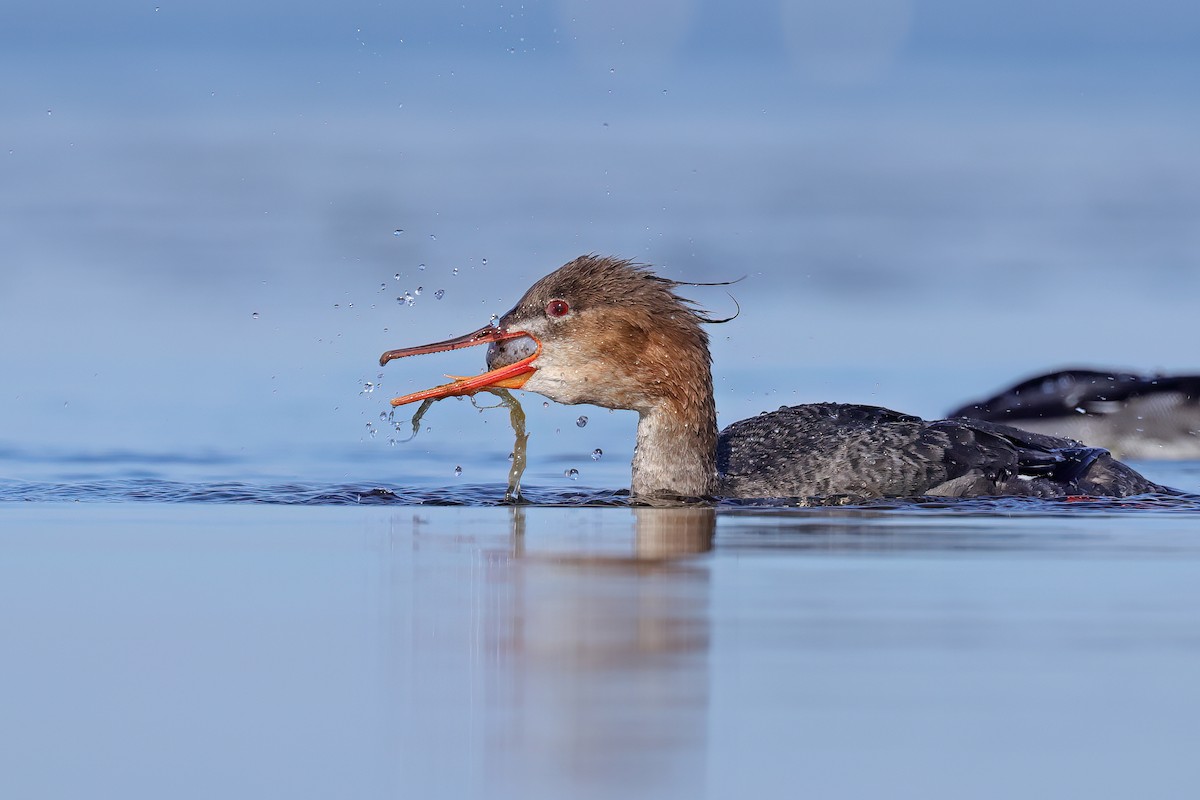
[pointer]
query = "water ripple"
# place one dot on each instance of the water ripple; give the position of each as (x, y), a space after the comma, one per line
(486, 495)
(164, 491)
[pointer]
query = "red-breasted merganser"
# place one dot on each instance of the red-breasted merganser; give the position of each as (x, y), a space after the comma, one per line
(1130, 415)
(611, 333)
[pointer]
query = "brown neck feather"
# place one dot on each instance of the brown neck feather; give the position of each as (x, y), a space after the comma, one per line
(677, 431)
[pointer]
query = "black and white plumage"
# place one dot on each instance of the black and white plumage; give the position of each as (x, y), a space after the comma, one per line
(1133, 416)
(825, 449)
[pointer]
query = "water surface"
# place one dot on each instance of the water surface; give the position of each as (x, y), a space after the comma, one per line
(198, 650)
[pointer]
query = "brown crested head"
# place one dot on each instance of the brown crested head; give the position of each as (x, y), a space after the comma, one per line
(612, 333)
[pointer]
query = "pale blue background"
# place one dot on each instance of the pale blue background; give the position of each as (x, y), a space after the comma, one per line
(928, 199)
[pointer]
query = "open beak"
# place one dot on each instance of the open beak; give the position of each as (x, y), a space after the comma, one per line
(512, 376)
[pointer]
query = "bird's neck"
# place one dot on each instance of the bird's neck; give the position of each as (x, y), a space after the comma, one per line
(676, 452)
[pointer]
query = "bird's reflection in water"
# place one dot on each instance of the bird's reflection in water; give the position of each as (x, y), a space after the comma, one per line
(601, 645)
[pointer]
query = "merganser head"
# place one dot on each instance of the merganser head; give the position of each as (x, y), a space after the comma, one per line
(597, 330)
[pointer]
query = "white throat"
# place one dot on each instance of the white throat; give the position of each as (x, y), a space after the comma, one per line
(674, 456)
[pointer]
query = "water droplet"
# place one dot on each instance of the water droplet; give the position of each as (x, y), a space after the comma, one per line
(432, 238)
(368, 387)
(409, 299)
(545, 404)
(421, 267)
(418, 291)
(597, 454)
(383, 287)
(454, 271)
(511, 456)
(396, 276)
(457, 471)
(383, 415)
(485, 262)
(581, 422)
(335, 305)
(572, 473)
(398, 231)
(495, 318)
(439, 294)
(254, 315)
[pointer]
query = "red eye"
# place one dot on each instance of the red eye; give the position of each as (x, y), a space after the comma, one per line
(557, 308)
